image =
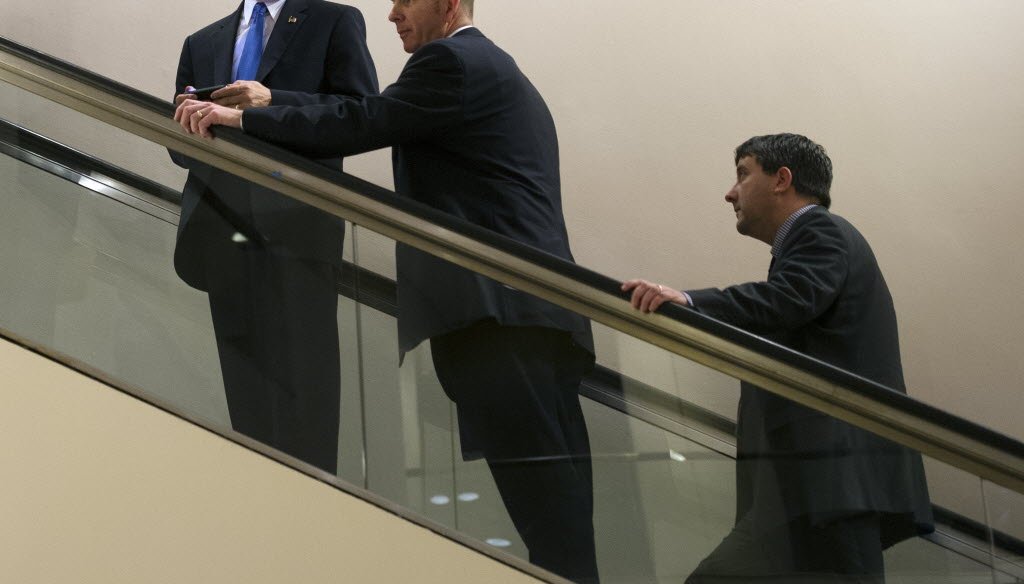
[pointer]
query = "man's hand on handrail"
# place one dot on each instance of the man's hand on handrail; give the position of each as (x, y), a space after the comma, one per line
(196, 117)
(648, 296)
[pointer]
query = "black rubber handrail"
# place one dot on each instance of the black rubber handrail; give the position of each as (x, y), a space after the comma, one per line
(380, 292)
(583, 276)
(19, 137)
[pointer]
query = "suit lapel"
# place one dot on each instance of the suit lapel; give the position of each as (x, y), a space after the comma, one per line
(224, 47)
(289, 21)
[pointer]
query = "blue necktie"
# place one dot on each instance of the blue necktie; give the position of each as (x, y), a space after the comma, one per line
(252, 50)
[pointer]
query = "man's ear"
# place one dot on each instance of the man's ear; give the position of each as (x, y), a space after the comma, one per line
(783, 179)
(452, 8)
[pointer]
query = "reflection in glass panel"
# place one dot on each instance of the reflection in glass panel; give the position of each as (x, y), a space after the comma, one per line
(664, 482)
(690, 382)
(92, 136)
(1005, 510)
(351, 458)
(462, 493)
(91, 274)
(93, 279)
(951, 553)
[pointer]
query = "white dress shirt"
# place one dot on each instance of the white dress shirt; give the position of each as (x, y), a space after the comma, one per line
(460, 29)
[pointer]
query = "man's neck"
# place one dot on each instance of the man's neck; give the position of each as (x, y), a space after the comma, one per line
(461, 21)
(784, 213)
(774, 240)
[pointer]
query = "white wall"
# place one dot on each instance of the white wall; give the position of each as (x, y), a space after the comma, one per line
(920, 103)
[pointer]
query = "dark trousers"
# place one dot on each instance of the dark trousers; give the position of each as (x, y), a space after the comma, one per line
(516, 392)
(845, 550)
(275, 319)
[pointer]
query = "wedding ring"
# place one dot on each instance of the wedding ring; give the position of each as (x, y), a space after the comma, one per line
(200, 115)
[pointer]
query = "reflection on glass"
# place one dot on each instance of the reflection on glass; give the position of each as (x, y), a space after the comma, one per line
(662, 502)
(114, 290)
(817, 497)
(274, 318)
(958, 550)
(1005, 511)
(89, 135)
(522, 447)
(93, 279)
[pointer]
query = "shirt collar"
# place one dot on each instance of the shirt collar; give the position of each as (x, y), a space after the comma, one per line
(460, 29)
(787, 225)
(273, 9)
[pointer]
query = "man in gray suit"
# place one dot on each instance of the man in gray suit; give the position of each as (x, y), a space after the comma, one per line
(817, 498)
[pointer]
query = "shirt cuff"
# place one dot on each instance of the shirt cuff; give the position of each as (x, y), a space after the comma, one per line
(689, 300)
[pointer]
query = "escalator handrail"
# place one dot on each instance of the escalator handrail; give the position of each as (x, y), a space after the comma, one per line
(934, 432)
(15, 136)
(602, 385)
(631, 397)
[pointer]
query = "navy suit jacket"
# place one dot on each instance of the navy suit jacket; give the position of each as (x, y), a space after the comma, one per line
(825, 296)
(316, 53)
(472, 137)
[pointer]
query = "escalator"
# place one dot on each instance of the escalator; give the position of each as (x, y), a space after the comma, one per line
(87, 278)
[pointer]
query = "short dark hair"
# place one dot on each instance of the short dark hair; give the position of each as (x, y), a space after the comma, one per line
(810, 164)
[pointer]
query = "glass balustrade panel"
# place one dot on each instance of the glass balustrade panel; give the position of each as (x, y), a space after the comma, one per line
(89, 272)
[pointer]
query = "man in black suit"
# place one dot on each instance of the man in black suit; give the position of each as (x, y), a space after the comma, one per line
(270, 263)
(474, 138)
(817, 499)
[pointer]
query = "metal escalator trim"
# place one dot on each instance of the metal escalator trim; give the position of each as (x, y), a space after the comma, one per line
(99, 184)
(604, 386)
(632, 398)
(661, 410)
(938, 434)
(16, 136)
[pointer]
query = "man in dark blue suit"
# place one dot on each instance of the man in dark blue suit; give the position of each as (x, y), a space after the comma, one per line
(270, 263)
(474, 138)
(817, 499)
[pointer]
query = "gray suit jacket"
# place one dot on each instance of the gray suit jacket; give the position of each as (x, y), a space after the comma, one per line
(825, 296)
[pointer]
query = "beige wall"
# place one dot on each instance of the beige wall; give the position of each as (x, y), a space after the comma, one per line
(156, 499)
(920, 103)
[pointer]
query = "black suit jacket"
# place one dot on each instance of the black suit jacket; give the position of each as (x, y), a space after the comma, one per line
(825, 296)
(316, 53)
(472, 137)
